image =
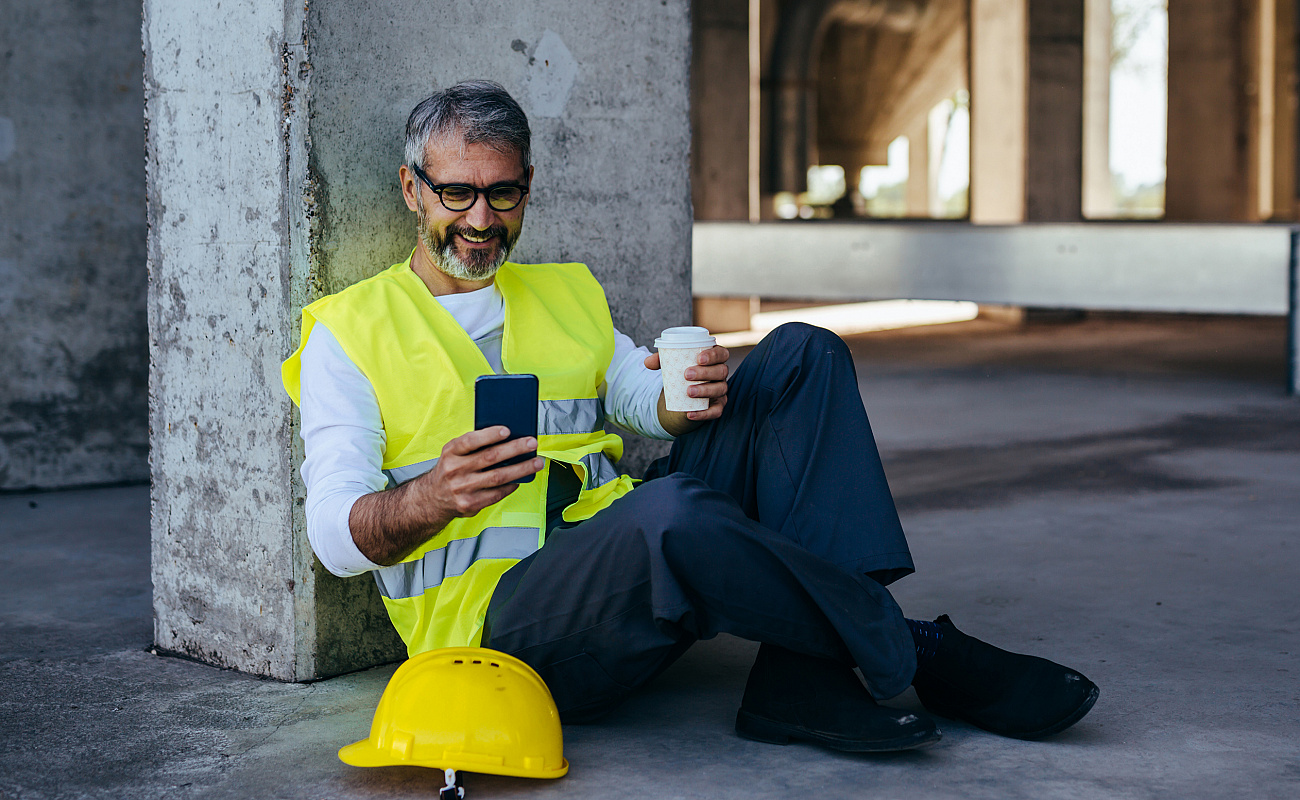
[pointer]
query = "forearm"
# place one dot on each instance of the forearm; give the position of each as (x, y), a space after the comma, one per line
(388, 526)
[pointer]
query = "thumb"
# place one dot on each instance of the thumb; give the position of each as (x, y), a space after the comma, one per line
(652, 361)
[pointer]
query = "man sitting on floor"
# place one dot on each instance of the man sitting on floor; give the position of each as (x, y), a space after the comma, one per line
(771, 518)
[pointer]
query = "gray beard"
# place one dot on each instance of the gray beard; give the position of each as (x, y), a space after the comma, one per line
(442, 252)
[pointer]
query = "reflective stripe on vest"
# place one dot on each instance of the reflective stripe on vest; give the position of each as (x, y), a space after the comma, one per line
(400, 475)
(570, 416)
(414, 578)
(600, 470)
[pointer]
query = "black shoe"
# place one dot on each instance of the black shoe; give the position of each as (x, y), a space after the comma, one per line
(1024, 697)
(793, 696)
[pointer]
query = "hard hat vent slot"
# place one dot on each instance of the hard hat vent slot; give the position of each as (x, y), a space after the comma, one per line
(495, 664)
(476, 661)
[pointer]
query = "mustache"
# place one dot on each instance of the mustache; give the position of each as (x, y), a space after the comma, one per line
(498, 231)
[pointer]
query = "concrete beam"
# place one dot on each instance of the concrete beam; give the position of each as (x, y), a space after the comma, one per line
(1208, 269)
(277, 183)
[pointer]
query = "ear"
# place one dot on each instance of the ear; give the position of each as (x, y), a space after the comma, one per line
(410, 186)
(530, 183)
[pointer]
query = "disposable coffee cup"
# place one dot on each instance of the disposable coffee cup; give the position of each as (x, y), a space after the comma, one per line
(680, 348)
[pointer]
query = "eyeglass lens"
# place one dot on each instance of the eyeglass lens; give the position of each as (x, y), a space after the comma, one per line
(501, 198)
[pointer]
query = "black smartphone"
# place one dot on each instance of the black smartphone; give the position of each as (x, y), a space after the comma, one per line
(509, 400)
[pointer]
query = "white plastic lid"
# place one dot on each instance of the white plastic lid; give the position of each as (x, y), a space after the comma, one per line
(684, 336)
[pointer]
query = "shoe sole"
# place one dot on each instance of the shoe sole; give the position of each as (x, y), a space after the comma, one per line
(769, 731)
(1055, 728)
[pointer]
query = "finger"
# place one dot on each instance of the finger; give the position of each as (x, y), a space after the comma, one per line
(714, 411)
(716, 354)
(710, 389)
(490, 496)
(652, 361)
(475, 440)
(489, 457)
(714, 373)
(504, 475)
(473, 483)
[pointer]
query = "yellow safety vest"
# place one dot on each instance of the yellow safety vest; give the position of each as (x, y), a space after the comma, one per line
(422, 366)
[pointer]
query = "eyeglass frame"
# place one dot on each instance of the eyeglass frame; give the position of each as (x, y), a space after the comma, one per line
(437, 188)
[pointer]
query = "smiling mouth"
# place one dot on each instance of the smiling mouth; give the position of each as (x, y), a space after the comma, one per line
(482, 238)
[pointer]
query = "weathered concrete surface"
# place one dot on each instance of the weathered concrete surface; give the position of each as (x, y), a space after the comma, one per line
(1120, 497)
(275, 132)
(72, 245)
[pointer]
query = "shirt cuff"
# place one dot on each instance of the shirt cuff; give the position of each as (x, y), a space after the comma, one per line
(337, 550)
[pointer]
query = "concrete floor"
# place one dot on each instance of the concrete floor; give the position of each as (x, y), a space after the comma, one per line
(1122, 495)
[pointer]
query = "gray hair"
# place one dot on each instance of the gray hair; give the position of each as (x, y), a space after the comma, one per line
(479, 111)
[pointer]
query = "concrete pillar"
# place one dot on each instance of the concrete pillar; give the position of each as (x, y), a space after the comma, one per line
(1054, 150)
(757, 17)
(1026, 110)
(1208, 158)
(720, 109)
(1098, 186)
(73, 359)
(1232, 111)
(277, 183)
(999, 128)
(1272, 51)
(919, 183)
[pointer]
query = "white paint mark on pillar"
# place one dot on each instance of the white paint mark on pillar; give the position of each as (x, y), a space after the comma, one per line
(6, 139)
(549, 76)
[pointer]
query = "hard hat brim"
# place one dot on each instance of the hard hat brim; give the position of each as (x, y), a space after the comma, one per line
(364, 754)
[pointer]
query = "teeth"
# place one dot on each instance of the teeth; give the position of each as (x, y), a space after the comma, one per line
(474, 239)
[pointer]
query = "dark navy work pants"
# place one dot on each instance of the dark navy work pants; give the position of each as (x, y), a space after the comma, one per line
(773, 523)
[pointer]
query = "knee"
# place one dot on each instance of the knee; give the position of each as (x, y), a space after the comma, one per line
(675, 502)
(801, 341)
(795, 350)
(801, 335)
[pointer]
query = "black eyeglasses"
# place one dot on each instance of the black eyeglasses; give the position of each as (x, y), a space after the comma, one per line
(462, 196)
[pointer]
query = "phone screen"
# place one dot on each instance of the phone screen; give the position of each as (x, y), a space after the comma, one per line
(509, 400)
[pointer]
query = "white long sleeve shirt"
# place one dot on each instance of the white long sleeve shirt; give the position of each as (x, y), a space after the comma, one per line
(343, 431)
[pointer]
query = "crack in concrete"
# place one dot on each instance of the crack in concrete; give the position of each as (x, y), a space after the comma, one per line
(284, 719)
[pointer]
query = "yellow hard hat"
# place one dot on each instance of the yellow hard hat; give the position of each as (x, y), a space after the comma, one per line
(465, 708)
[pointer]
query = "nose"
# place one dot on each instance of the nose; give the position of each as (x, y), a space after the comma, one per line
(480, 216)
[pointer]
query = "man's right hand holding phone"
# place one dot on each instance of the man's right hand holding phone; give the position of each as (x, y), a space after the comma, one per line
(387, 526)
(465, 481)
